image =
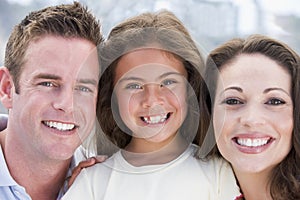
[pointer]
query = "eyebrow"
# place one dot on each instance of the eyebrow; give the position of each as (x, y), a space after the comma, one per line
(56, 77)
(170, 73)
(233, 88)
(265, 91)
(47, 76)
(88, 81)
(275, 88)
(133, 78)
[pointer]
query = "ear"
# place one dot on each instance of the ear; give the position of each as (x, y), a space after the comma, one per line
(6, 85)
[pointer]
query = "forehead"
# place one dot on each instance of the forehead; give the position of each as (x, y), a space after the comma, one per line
(61, 56)
(255, 69)
(249, 65)
(148, 62)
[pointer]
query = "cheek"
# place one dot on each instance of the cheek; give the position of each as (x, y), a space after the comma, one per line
(178, 98)
(283, 117)
(220, 121)
(286, 129)
(126, 105)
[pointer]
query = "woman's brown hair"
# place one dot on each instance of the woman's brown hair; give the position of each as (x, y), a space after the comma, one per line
(285, 178)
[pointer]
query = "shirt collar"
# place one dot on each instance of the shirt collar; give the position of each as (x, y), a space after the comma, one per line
(5, 176)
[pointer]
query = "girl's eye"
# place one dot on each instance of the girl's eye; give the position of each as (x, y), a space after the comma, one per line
(275, 102)
(134, 86)
(232, 101)
(167, 82)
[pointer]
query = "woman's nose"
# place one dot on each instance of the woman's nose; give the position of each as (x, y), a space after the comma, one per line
(252, 115)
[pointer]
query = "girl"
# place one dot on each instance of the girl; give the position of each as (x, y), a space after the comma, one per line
(148, 106)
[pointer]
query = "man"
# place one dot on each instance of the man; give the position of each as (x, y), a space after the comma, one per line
(49, 85)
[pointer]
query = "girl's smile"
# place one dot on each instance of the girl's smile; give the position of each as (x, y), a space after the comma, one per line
(150, 91)
(156, 119)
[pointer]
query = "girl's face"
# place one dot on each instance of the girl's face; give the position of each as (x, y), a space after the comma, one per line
(253, 113)
(150, 88)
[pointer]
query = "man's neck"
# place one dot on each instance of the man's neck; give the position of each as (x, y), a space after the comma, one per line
(42, 179)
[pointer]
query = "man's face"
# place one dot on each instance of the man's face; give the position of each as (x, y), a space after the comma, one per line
(56, 105)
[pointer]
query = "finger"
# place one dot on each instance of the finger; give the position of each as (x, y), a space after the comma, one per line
(100, 158)
(83, 164)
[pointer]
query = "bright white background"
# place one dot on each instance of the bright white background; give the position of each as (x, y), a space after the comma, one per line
(211, 22)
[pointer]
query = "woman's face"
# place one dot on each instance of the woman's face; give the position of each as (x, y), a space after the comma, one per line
(253, 113)
(150, 87)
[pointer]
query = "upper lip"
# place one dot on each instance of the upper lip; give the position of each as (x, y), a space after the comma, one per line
(252, 135)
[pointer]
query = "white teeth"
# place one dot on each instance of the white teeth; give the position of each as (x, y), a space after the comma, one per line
(252, 142)
(59, 126)
(155, 119)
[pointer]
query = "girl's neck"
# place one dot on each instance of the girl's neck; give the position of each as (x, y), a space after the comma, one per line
(141, 152)
(254, 185)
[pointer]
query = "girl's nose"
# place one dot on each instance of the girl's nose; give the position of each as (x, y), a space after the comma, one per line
(152, 95)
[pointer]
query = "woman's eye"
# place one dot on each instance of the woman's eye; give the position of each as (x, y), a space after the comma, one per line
(275, 102)
(232, 101)
(134, 86)
(167, 82)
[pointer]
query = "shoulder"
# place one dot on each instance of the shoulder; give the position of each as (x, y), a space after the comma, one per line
(100, 170)
(216, 166)
(91, 182)
(222, 175)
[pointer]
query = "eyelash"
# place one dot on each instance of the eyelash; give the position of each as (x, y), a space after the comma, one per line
(78, 88)
(47, 84)
(275, 101)
(232, 101)
(271, 101)
(168, 82)
(83, 89)
(136, 86)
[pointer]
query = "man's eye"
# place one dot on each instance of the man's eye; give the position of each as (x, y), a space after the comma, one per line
(275, 102)
(232, 101)
(134, 86)
(47, 84)
(83, 89)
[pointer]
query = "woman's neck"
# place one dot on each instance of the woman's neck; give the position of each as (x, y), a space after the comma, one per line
(254, 185)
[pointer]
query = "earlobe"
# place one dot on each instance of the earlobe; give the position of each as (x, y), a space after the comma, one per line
(6, 85)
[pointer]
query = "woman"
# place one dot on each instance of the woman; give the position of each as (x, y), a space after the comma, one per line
(254, 101)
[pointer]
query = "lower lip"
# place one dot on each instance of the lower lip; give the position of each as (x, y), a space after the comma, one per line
(252, 150)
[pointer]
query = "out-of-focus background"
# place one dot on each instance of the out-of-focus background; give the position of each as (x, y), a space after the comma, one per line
(211, 22)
